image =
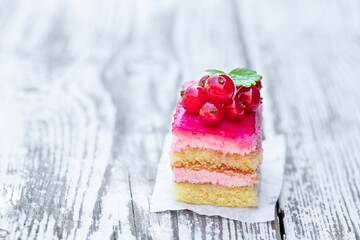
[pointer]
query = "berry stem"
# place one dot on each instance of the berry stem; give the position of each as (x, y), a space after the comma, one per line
(221, 80)
(212, 111)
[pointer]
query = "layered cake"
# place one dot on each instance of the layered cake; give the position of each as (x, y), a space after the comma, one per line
(217, 150)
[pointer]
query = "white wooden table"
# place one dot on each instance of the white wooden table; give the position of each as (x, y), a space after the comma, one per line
(86, 94)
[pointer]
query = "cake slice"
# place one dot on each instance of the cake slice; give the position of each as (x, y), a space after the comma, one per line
(216, 161)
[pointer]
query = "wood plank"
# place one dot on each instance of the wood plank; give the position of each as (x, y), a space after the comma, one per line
(166, 57)
(55, 166)
(309, 54)
(88, 92)
(200, 39)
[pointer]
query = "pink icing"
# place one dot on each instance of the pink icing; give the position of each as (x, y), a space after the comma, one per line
(231, 137)
(227, 178)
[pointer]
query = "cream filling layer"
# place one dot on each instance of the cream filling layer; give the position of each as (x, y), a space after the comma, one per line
(241, 146)
(225, 178)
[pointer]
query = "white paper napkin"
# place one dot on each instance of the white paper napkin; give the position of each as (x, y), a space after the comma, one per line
(271, 175)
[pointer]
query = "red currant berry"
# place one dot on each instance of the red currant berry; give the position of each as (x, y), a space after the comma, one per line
(211, 114)
(220, 88)
(203, 79)
(194, 98)
(233, 110)
(258, 84)
(250, 97)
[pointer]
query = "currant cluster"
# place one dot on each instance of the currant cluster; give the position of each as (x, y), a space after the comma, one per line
(216, 97)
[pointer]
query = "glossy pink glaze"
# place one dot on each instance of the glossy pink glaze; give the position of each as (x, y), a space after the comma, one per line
(184, 121)
(227, 178)
(230, 137)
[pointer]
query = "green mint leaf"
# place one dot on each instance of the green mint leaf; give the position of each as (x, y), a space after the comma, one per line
(241, 76)
(213, 71)
(242, 71)
(244, 77)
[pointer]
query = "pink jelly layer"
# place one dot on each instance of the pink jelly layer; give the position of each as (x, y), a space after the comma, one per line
(230, 137)
(227, 178)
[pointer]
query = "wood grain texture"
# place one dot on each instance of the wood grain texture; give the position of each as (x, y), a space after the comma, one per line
(86, 96)
(309, 54)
